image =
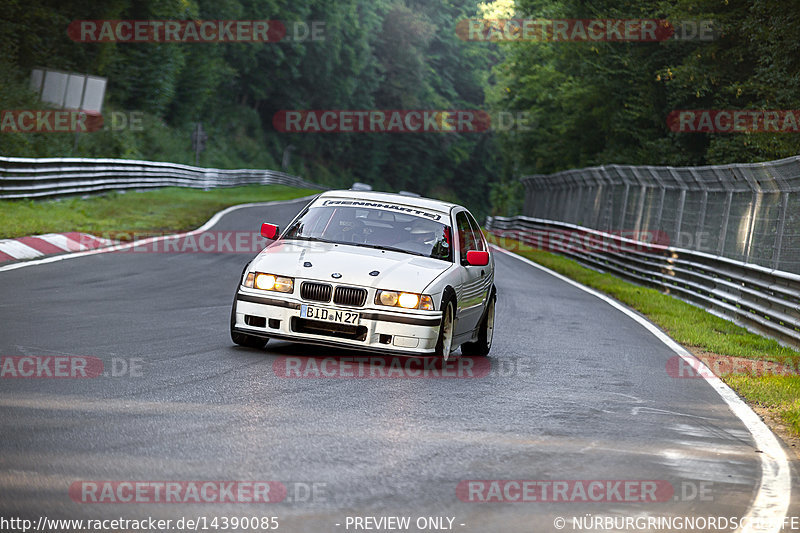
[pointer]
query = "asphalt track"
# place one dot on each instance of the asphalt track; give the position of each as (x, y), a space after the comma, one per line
(577, 391)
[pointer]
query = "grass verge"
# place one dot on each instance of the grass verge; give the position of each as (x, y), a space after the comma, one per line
(159, 211)
(776, 393)
(702, 333)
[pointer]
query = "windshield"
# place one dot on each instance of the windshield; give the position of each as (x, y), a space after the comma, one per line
(374, 228)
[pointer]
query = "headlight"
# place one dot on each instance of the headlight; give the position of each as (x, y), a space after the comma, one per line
(406, 300)
(269, 282)
(265, 282)
(387, 297)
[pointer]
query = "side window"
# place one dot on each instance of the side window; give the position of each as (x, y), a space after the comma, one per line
(480, 240)
(465, 237)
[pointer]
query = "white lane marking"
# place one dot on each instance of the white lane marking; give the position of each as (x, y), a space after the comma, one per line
(62, 241)
(205, 227)
(771, 504)
(18, 250)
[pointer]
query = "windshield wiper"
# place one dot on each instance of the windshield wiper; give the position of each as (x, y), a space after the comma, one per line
(365, 245)
(388, 248)
(312, 239)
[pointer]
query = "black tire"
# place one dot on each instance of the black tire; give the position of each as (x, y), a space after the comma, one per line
(444, 344)
(483, 345)
(248, 341)
(242, 339)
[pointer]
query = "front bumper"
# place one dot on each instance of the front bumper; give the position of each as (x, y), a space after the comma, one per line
(380, 329)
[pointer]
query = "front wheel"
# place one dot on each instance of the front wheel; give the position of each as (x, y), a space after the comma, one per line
(482, 346)
(248, 341)
(444, 345)
(242, 339)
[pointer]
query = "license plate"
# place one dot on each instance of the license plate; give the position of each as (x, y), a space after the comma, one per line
(328, 315)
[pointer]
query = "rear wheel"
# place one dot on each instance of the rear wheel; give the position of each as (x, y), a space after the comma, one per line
(482, 346)
(444, 345)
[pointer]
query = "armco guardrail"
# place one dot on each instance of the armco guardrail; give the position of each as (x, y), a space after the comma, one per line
(762, 299)
(54, 177)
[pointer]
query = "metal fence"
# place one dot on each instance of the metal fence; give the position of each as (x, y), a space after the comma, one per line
(48, 178)
(759, 298)
(746, 212)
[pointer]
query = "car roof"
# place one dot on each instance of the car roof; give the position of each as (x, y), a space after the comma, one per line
(400, 199)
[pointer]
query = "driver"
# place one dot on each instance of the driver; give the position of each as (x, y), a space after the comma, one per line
(421, 237)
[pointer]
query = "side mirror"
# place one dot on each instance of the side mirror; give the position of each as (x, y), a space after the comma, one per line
(476, 258)
(269, 231)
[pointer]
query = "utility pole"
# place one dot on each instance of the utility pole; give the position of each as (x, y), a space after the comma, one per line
(199, 138)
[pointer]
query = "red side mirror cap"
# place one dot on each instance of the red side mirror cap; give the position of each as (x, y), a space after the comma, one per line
(476, 258)
(269, 231)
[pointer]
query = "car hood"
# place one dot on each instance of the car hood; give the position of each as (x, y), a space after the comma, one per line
(396, 270)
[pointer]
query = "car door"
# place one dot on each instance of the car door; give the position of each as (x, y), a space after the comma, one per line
(470, 292)
(487, 272)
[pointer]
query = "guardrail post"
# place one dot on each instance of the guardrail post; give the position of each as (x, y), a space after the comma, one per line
(609, 210)
(701, 219)
(640, 212)
(543, 200)
(624, 209)
(726, 214)
(566, 204)
(577, 208)
(660, 210)
(552, 212)
(563, 205)
(527, 206)
(751, 226)
(679, 215)
(776, 251)
(531, 198)
(597, 206)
